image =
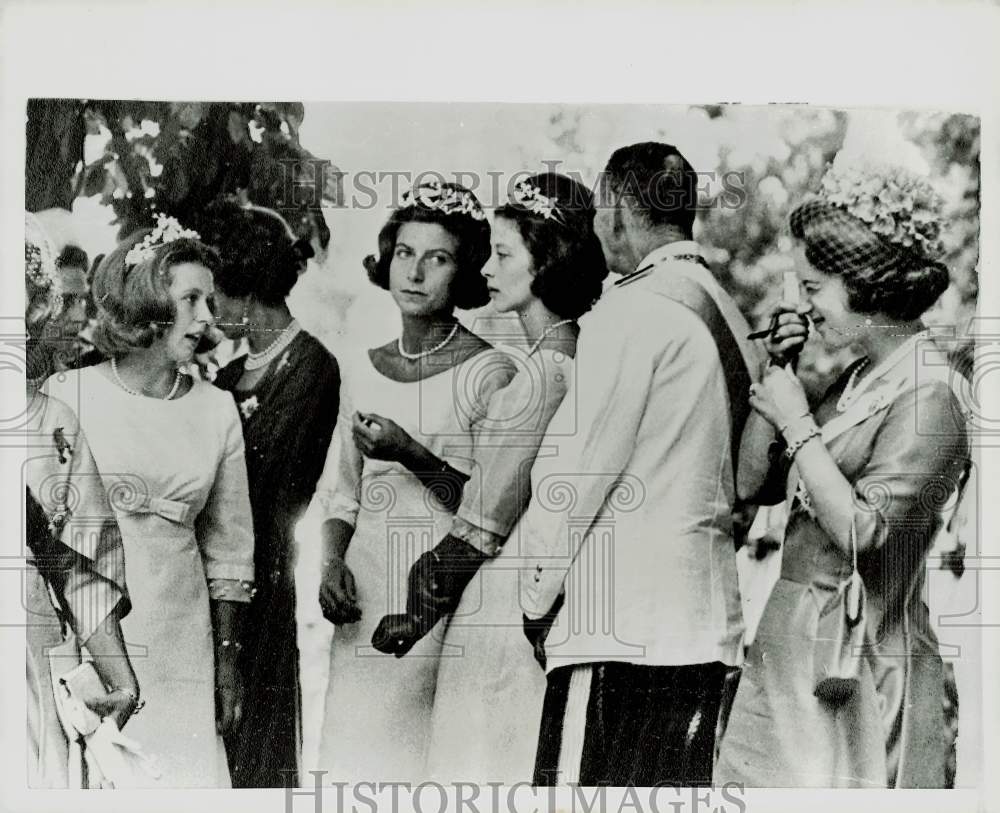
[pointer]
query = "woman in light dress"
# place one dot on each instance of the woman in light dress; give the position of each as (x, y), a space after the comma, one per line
(170, 451)
(547, 267)
(401, 452)
(878, 458)
(75, 566)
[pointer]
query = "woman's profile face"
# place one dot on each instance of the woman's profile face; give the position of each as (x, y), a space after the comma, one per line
(423, 267)
(192, 291)
(510, 269)
(826, 295)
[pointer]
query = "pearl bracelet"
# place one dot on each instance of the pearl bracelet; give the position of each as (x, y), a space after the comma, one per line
(784, 427)
(793, 448)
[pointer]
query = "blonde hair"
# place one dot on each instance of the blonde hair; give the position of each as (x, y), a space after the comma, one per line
(133, 302)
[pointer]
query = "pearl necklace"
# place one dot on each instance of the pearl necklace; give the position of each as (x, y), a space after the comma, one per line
(847, 396)
(415, 356)
(546, 332)
(169, 396)
(256, 361)
(854, 389)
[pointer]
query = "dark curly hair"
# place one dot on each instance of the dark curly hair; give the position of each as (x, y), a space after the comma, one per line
(469, 288)
(261, 256)
(133, 301)
(879, 276)
(567, 255)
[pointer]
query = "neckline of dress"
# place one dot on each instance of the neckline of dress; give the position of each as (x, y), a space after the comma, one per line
(383, 376)
(145, 398)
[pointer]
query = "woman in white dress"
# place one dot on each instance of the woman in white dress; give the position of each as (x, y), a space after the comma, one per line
(393, 478)
(75, 574)
(170, 451)
(547, 267)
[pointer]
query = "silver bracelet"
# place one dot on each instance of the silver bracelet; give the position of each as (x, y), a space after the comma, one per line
(784, 427)
(793, 448)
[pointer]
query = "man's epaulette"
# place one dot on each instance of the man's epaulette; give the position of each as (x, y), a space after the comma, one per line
(639, 274)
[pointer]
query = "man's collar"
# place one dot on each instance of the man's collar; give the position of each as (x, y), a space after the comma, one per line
(687, 249)
(663, 253)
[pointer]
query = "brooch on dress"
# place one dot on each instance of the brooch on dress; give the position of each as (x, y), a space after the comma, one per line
(63, 446)
(249, 406)
(285, 361)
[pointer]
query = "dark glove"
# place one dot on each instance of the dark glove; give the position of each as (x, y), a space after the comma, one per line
(395, 634)
(434, 586)
(536, 630)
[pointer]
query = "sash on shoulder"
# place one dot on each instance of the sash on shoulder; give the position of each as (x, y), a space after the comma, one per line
(695, 298)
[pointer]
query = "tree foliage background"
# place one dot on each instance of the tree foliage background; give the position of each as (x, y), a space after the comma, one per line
(142, 157)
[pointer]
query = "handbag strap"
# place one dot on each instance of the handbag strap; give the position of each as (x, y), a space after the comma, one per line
(854, 547)
(853, 583)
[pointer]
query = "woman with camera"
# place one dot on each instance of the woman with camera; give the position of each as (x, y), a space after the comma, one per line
(842, 686)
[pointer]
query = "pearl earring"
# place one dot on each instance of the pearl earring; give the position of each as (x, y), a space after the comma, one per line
(246, 315)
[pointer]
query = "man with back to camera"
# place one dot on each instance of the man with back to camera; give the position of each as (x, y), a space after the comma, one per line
(662, 378)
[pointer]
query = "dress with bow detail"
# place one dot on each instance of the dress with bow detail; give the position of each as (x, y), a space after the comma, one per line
(176, 480)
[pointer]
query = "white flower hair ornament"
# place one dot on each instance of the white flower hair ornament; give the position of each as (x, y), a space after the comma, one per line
(894, 203)
(443, 198)
(40, 257)
(166, 230)
(530, 197)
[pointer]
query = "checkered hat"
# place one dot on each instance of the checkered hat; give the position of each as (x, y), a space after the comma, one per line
(837, 241)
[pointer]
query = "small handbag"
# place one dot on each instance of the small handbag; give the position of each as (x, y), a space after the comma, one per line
(100, 756)
(111, 760)
(840, 636)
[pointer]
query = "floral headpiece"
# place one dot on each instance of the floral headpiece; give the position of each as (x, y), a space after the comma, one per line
(892, 202)
(40, 257)
(530, 197)
(444, 198)
(167, 230)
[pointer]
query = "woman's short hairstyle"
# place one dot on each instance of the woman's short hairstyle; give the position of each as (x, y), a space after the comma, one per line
(879, 275)
(569, 262)
(260, 255)
(134, 306)
(472, 233)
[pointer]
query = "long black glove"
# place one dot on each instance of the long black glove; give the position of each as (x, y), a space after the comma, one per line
(434, 586)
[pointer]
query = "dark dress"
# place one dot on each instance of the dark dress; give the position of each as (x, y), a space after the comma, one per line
(288, 419)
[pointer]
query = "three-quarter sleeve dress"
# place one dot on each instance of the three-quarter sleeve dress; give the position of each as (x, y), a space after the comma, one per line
(489, 695)
(377, 718)
(904, 461)
(176, 481)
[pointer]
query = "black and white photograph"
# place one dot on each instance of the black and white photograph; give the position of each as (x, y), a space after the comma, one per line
(478, 446)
